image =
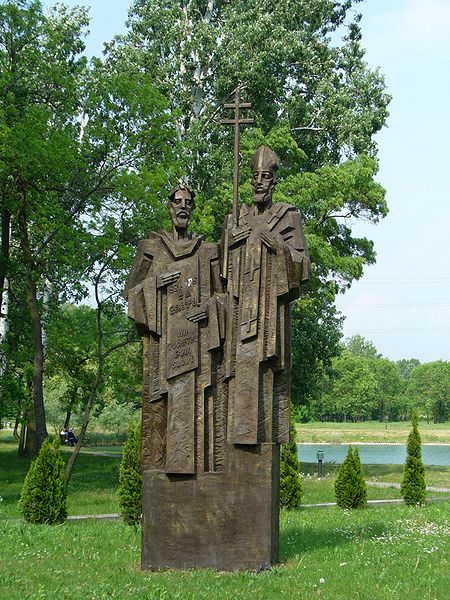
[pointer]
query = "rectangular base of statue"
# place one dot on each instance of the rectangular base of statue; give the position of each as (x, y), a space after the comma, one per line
(226, 521)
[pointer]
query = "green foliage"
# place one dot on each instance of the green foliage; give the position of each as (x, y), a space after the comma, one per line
(130, 478)
(359, 346)
(412, 487)
(350, 487)
(429, 389)
(316, 333)
(315, 102)
(390, 390)
(406, 366)
(351, 391)
(43, 497)
(291, 487)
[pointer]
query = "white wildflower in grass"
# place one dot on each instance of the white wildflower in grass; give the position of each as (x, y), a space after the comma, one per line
(321, 580)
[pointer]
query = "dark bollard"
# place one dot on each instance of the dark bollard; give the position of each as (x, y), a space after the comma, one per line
(319, 463)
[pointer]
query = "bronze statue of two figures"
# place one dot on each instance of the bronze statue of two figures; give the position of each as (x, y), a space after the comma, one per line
(215, 320)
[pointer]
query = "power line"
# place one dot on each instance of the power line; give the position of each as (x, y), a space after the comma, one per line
(402, 330)
(391, 304)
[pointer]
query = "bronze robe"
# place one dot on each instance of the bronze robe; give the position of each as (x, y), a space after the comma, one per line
(173, 296)
(264, 262)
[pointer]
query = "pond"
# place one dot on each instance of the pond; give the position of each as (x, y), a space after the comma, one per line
(374, 454)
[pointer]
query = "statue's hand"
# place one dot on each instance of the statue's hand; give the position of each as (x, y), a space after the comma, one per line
(167, 278)
(269, 240)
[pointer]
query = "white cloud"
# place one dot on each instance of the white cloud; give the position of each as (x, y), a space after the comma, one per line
(419, 27)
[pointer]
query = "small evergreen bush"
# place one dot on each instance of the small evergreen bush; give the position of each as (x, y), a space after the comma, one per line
(350, 488)
(291, 487)
(412, 487)
(130, 478)
(43, 496)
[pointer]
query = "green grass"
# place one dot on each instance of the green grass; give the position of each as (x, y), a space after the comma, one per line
(384, 552)
(371, 431)
(436, 476)
(92, 489)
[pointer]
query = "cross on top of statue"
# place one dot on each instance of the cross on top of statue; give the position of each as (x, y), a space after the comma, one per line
(237, 105)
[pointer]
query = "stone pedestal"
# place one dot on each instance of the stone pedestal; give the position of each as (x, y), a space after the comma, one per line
(226, 521)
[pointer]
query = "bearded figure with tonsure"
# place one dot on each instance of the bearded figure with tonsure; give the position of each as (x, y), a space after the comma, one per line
(173, 297)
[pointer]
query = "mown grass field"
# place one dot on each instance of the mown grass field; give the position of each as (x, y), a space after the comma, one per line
(92, 489)
(371, 432)
(388, 551)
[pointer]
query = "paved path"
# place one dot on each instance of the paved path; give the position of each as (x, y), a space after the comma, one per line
(115, 517)
(372, 502)
(111, 517)
(384, 484)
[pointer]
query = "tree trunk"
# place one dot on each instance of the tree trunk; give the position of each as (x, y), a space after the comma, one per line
(67, 419)
(32, 446)
(38, 350)
(73, 399)
(16, 428)
(93, 392)
(23, 430)
(84, 426)
(6, 223)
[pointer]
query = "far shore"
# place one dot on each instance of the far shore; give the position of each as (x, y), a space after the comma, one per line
(370, 432)
(369, 443)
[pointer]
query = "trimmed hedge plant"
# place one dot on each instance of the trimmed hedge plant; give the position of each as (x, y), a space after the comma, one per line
(130, 478)
(350, 487)
(43, 496)
(291, 486)
(412, 487)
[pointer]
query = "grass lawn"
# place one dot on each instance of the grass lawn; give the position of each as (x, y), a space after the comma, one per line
(371, 431)
(384, 552)
(322, 490)
(388, 552)
(92, 489)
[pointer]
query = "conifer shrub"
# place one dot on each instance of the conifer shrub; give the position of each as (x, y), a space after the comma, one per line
(350, 488)
(130, 478)
(43, 496)
(291, 486)
(412, 487)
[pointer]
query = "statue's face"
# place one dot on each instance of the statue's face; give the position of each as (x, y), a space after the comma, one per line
(263, 184)
(181, 206)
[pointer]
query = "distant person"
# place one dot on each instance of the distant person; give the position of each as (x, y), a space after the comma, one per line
(71, 438)
(63, 436)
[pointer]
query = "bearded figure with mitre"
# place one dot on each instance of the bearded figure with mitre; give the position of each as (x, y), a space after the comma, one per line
(265, 260)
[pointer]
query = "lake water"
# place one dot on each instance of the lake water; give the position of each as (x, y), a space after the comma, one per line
(374, 454)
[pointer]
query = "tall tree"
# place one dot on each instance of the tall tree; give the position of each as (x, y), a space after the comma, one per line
(359, 346)
(429, 389)
(73, 137)
(406, 366)
(39, 74)
(351, 391)
(317, 104)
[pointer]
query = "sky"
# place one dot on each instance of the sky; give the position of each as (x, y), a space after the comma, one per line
(402, 303)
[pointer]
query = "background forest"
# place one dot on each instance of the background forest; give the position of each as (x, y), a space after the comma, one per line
(90, 147)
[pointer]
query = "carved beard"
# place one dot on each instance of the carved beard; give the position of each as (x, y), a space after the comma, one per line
(262, 198)
(180, 222)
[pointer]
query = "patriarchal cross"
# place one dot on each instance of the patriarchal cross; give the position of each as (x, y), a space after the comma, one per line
(236, 121)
